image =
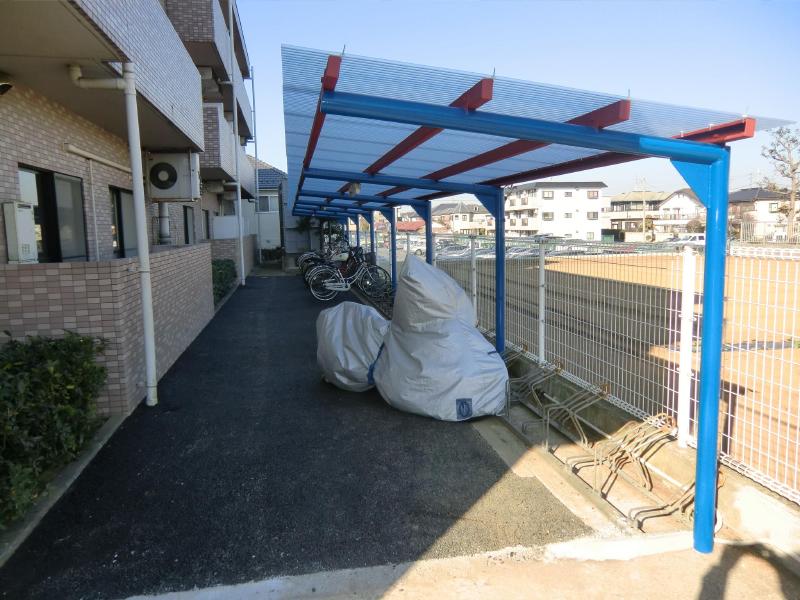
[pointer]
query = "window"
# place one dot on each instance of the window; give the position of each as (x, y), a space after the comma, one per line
(592, 216)
(547, 216)
(567, 215)
(590, 235)
(592, 194)
(567, 194)
(547, 194)
(471, 217)
(57, 202)
(267, 203)
(773, 207)
(455, 217)
(123, 224)
(631, 226)
(188, 225)
(524, 201)
(513, 201)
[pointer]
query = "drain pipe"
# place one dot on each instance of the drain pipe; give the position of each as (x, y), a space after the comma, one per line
(128, 85)
(237, 145)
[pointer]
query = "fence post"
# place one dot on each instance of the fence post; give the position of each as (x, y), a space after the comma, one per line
(689, 270)
(408, 243)
(433, 249)
(542, 298)
(473, 273)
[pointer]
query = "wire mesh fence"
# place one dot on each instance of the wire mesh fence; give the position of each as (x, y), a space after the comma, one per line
(629, 316)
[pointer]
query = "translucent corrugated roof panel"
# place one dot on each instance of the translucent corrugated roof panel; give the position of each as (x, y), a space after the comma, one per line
(351, 144)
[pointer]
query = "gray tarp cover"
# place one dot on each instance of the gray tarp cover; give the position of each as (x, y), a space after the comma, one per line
(349, 336)
(434, 361)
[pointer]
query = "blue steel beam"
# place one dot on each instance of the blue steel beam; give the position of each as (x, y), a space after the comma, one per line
(360, 198)
(411, 182)
(434, 115)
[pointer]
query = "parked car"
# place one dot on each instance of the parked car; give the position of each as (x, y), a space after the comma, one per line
(694, 239)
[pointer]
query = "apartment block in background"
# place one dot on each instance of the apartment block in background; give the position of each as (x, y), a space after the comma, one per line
(68, 251)
(568, 209)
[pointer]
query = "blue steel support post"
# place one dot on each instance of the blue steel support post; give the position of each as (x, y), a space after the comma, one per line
(357, 221)
(390, 215)
(710, 182)
(426, 214)
(372, 248)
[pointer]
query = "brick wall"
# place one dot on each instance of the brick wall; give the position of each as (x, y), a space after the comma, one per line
(229, 249)
(165, 74)
(103, 299)
(33, 131)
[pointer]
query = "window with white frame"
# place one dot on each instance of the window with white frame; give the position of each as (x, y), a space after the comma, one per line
(592, 194)
(268, 203)
(547, 216)
(548, 194)
(592, 216)
(590, 235)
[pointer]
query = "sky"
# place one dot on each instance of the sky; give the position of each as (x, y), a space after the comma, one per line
(728, 55)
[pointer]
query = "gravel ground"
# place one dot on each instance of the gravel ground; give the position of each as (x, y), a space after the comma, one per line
(251, 467)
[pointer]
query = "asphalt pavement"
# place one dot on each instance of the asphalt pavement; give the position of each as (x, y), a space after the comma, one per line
(251, 467)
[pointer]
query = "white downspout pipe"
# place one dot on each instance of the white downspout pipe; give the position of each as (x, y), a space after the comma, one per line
(128, 85)
(255, 149)
(236, 145)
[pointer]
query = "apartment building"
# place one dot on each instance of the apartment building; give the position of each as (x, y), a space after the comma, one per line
(569, 209)
(69, 255)
(461, 218)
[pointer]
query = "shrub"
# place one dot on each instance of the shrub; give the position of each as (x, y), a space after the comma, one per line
(48, 389)
(223, 274)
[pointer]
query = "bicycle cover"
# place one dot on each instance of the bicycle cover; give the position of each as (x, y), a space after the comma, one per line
(434, 360)
(349, 337)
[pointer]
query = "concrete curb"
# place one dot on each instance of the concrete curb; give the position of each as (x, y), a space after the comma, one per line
(12, 538)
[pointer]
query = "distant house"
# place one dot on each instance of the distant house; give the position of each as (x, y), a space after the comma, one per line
(676, 213)
(269, 207)
(461, 217)
(646, 215)
(758, 211)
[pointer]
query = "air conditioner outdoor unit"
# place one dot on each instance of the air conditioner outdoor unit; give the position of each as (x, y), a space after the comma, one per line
(20, 232)
(174, 176)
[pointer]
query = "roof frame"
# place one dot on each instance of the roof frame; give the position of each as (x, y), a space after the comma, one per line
(475, 97)
(611, 114)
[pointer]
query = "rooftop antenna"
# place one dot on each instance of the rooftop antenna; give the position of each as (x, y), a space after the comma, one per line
(494, 70)
(343, 49)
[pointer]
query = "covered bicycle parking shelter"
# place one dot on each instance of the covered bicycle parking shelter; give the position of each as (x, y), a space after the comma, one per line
(365, 135)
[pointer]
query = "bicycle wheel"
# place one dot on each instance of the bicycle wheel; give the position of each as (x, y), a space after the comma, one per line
(375, 282)
(317, 283)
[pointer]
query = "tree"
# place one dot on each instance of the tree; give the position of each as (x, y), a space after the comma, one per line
(784, 153)
(696, 226)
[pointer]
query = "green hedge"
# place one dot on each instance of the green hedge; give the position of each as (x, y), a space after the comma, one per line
(48, 389)
(223, 274)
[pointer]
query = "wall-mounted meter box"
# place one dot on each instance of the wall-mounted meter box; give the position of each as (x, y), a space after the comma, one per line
(20, 232)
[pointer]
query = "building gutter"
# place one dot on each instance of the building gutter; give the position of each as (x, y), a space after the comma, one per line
(127, 84)
(237, 144)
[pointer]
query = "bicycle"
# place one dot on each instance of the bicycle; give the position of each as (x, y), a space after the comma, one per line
(326, 281)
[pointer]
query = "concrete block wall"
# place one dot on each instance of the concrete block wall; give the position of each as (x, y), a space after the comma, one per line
(102, 299)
